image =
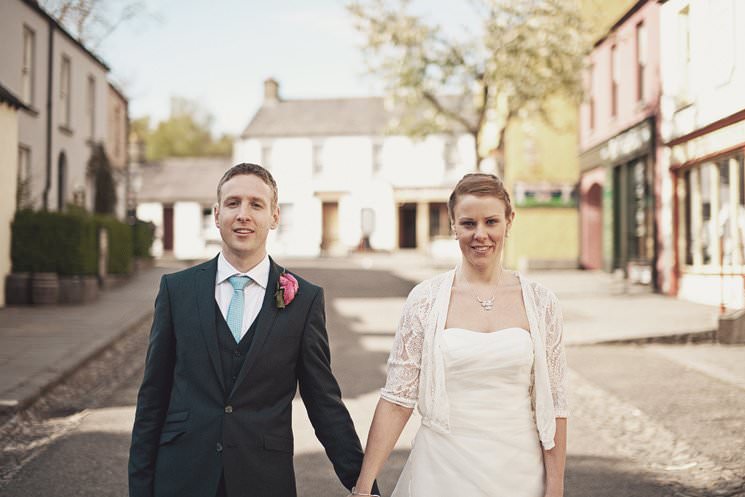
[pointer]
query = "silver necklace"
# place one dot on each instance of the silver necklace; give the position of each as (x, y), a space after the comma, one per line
(487, 304)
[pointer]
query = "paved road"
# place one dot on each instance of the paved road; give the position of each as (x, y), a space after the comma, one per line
(644, 423)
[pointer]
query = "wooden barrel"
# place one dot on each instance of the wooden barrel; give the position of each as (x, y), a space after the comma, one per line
(44, 288)
(18, 289)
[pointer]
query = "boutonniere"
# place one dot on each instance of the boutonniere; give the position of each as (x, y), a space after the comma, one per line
(287, 287)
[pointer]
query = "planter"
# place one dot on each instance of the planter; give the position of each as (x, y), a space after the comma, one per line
(90, 288)
(44, 288)
(18, 289)
(70, 290)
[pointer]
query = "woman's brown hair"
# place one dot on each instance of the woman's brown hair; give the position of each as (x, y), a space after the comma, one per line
(479, 184)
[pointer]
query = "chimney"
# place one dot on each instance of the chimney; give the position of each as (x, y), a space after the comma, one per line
(271, 92)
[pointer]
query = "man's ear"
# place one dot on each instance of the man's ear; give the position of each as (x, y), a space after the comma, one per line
(216, 214)
(275, 218)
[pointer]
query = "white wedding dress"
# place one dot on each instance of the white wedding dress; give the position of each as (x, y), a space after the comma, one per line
(492, 449)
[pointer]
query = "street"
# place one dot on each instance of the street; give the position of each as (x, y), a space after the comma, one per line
(645, 420)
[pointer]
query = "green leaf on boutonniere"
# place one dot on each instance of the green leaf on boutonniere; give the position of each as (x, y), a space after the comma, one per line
(279, 298)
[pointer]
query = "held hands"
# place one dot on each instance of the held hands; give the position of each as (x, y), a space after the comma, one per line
(362, 494)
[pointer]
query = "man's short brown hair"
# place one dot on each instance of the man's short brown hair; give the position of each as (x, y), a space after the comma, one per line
(248, 168)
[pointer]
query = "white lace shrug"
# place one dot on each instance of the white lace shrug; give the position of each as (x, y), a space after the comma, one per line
(416, 372)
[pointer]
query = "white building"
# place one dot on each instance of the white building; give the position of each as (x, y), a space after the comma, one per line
(344, 183)
(703, 130)
(64, 86)
(178, 195)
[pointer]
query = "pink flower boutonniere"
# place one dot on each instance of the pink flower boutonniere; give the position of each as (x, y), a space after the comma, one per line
(287, 287)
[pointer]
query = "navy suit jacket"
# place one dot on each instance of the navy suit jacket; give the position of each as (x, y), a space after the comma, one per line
(189, 431)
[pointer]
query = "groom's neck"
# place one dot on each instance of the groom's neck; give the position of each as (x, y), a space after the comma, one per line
(243, 263)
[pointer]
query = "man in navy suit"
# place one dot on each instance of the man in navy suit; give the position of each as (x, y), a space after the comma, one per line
(231, 341)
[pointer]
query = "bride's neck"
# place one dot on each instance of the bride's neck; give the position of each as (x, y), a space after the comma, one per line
(490, 275)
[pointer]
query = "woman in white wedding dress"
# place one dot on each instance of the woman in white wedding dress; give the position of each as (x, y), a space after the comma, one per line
(479, 351)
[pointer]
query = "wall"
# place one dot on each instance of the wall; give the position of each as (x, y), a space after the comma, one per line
(8, 173)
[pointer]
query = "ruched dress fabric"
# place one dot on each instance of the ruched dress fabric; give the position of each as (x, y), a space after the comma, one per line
(493, 448)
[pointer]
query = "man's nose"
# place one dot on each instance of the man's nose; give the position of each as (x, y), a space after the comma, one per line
(244, 211)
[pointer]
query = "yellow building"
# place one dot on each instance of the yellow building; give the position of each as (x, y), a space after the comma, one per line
(9, 154)
(541, 170)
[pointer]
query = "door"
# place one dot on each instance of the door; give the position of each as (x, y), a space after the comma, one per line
(330, 220)
(407, 225)
(168, 228)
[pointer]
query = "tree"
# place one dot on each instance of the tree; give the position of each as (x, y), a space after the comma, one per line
(523, 53)
(91, 21)
(99, 168)
(186, 133)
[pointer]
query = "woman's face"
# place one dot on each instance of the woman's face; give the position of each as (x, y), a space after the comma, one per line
(481, 225)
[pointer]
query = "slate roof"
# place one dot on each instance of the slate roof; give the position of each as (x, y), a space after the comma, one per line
(185, 179)
(7, 97)
(323, 117)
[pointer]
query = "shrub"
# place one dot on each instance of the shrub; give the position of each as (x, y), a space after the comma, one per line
(120, 244)
(144, 234)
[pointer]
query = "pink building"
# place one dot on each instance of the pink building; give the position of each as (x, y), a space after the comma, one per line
(619, 153)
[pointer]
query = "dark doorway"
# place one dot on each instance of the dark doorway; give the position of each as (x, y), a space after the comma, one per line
(61, 181)
(407, 226)
(168, 228)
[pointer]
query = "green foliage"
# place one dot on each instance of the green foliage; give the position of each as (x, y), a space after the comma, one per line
(64, 243)
(511, 61)
(99, 168)
(186, 133)
(144, 234)
(120, 244)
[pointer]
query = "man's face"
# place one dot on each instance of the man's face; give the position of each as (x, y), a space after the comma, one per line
(244, 216)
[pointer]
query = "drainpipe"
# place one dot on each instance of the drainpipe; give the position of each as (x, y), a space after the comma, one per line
(50, 68)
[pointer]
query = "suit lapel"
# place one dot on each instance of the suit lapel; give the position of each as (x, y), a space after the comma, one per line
(206, 307)
(264, 322)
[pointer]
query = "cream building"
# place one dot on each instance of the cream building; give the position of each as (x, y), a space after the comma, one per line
(345, 184)
(64, 86)
(9, 107)
(703, 132)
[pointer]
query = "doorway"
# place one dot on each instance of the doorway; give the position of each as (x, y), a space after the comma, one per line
(407, 226)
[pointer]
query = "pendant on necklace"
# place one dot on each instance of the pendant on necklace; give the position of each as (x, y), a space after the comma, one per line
(486, 304)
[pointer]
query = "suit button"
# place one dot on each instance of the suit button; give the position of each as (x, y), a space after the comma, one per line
(219, 447)
(237, 353)
(228, 409)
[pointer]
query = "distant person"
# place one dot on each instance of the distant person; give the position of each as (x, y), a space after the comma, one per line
(479, 349)
(231, 340)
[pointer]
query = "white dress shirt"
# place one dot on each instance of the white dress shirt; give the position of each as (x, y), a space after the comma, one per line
(253, 293)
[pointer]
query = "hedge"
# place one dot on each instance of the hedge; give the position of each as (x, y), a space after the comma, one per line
(63, 243)
(144, 234)
(120, 244)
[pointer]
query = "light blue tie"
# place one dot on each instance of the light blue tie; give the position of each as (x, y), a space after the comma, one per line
(235, 310)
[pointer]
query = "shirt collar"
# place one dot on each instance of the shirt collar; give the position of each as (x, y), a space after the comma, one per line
(259, 273)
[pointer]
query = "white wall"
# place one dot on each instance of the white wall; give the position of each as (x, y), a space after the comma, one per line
(347, 175)
(153, 212)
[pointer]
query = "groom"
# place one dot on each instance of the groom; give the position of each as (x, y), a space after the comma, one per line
(231, 340)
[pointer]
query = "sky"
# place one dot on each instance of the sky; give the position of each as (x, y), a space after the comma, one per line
(219, 52)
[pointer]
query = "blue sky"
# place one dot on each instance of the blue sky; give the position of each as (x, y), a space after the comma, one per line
(219, 52)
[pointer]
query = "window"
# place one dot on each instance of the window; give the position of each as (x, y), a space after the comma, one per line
(614, 66)
(64, 91)
(377, 156)
(27, 67)
(439, 222)
(450, 153)
(684, 56)
(641, 59)
(591, 91)
(286, 219)
(23, 190)
(317, 157)
(715, 212)
(91, 107)
(266, 155)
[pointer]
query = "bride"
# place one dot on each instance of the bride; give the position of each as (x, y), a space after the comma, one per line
(480, 351)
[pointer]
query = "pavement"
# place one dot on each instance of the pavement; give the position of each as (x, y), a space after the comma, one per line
(41, 346)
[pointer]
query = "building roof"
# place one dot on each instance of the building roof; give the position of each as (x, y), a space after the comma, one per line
(325, 117)
(7, 97)
(34, 4)
(319, 117)
(188, 179)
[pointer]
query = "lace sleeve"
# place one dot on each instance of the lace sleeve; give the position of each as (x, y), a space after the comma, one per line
(556, 358)
(404, 362)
